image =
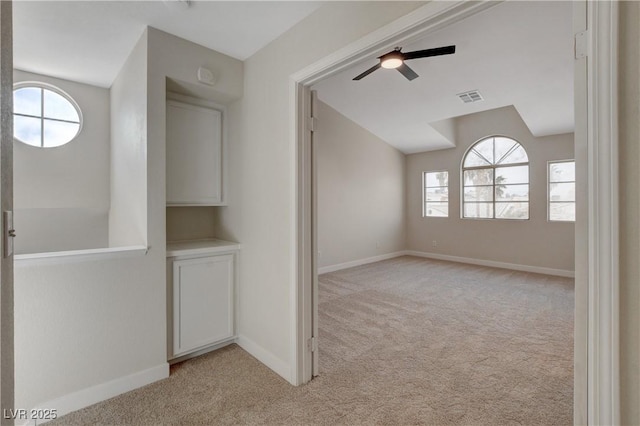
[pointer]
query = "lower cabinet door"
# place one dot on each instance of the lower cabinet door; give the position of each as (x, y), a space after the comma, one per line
(202, 302)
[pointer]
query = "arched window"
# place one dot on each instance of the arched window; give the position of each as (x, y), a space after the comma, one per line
(44, 116)
(495, 179)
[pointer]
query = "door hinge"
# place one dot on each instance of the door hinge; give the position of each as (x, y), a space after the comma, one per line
(581, 44)
(312, 124)
(312, 344)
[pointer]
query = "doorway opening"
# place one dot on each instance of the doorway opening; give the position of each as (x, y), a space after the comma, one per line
(589, 256)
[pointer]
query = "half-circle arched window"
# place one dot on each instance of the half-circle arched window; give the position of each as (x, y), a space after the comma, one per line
(495, 180)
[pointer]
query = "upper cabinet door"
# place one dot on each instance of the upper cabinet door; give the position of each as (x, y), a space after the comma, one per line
(194, 155)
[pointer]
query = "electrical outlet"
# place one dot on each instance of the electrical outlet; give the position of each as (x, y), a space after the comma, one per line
(434, 243)
(377, 244)
(319, 254)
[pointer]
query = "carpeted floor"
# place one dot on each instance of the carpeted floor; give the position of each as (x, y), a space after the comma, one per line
(403, 341)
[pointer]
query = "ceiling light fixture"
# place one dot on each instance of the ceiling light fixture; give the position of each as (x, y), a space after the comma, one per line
(395, 60)
(391, 60)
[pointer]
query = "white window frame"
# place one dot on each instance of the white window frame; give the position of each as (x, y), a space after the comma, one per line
(549, 202)
(424, 193)
(493, 167)
(41, 117)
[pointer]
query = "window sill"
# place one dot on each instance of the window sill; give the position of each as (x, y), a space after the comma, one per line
(73, 256)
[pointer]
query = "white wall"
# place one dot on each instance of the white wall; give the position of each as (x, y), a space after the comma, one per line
(42, 230)
(361, 191)
(61, 195)
(82, 324)
(129, 139)
(261, 205)
(534, 242)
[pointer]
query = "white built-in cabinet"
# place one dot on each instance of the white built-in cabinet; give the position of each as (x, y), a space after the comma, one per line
(200, 293)
(195, 152)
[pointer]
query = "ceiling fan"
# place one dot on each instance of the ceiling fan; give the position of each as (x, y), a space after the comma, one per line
(395, 59)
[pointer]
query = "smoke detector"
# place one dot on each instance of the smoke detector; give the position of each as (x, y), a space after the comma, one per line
(470, 96)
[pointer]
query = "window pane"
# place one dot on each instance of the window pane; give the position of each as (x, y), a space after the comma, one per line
(437, 194)
(56, 106)
(473, 160)
(27, 101)
(437, 179)
(484, 150)
(478, 193)
(518, 155)
(58, 133)
(517, 174)
(479, 210)
(562, 192)
(562, 172)
(437, 209)
(478, 177)
(27, 129)
(512, 210)
(504, 147)
(512, 192)
(562, 211)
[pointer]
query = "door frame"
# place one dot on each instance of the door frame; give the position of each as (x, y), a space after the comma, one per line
(6, 204)
(596, 337)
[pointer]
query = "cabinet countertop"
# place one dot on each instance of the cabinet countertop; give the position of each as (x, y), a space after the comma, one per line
(195, 247)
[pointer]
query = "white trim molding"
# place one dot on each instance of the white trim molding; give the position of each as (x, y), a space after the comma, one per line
(449, 258)
(280, 367)
(352, 263)
(493, 264)
(603, 211)
(75, 256)
(89, 396)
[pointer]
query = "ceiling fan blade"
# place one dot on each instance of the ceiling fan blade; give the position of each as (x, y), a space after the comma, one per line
(407, 72)
(447, 50)
(367, 72)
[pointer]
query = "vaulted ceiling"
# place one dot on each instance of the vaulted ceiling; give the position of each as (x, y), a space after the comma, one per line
(516, 53)
(89, 41)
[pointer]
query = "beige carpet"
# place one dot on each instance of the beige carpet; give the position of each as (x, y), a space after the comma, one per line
(403, 341)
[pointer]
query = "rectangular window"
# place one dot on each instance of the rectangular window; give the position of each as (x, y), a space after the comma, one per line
(562, 191)
(436, 194)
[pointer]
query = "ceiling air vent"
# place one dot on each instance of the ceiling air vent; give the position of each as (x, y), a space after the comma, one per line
(470, 96)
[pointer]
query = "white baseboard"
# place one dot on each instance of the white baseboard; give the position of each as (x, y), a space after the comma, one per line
(280, 367)
(351, 264)
(89, 396)
(494, 264)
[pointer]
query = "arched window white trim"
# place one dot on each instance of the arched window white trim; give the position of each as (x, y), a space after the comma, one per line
(495, 180)
(44, 116)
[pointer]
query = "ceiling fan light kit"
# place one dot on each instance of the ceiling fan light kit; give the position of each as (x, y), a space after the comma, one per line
(396, 59)
(391, 60)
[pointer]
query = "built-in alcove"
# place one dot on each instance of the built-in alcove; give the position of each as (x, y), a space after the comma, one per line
(201, 269)
(196, 141)
(190, 223)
